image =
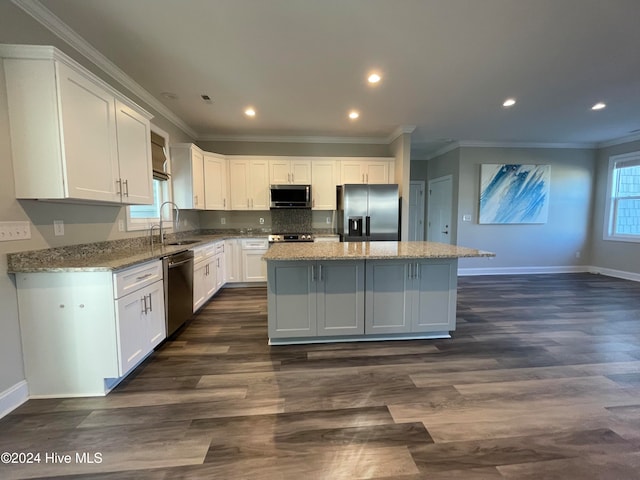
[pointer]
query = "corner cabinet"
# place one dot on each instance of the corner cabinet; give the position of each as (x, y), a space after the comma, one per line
(215, 182)
(315, 299)
(187, 167)
(83, 332)
(73, 136)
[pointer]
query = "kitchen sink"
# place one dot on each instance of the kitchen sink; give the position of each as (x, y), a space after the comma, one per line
(183, 242)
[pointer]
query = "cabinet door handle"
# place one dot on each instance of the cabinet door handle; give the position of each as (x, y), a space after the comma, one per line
(126, 187)
(224, 202)
(247, 202)
(119, 184)
(150, 304)
(142, 277)
(313, 273)
(367, 178)
(320, 272)
(144, 300)
(293, 178)
(409, 272)
(363, 178)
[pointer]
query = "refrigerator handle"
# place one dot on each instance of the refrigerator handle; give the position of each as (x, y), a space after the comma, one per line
(367, 226)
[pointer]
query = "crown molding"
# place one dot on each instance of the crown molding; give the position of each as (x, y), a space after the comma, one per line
(483, 144)
(402, 129)
(56, 26)
(293, 139)
(443, 150)
(619, 141)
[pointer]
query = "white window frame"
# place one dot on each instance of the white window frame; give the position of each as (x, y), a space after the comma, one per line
(611, 200)
(135, 224)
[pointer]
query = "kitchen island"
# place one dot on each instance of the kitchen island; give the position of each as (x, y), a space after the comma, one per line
(358, 291)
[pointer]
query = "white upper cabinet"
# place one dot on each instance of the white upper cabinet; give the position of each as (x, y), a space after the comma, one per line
(249, 183)
(136, 184)
(187, 167)
(324, 175)
(290, 170)
(73, 136)
(367, 170)
(215, 182)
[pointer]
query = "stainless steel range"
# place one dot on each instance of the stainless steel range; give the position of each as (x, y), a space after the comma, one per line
(290, 237)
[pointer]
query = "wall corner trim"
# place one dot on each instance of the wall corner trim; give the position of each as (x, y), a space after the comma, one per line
(13, 397)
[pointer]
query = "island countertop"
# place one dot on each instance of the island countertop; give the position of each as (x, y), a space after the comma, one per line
(369, 251)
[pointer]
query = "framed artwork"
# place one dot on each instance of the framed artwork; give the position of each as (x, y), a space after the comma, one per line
(514, 193)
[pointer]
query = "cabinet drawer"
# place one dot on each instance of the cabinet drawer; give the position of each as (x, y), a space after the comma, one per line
(219, 247)
(134, 278)
(204, 251)
(255, 243)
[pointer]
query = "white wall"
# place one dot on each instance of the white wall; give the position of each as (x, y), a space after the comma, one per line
(608, 254)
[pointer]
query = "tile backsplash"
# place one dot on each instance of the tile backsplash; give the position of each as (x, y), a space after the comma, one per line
(291, 220)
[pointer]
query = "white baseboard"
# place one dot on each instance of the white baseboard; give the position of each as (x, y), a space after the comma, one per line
(610, 272)
(13, 397)
(464, 272)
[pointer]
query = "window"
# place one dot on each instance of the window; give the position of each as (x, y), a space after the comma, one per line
(622, 217)
(142, 217)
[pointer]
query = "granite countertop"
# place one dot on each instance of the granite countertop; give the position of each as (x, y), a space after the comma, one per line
(369, 251)
(109, 256)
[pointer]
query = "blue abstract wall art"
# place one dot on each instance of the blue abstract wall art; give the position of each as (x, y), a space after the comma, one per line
(514, 193)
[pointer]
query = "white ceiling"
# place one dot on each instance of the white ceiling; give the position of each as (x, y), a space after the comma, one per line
(447, 65)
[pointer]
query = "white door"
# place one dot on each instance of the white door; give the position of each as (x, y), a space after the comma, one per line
(416, 211)
(439, 210)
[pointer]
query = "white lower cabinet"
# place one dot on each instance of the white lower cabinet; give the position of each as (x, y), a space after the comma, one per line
(410, 296)
(83, 331)
(233, 260)
(208, 272)
(254, 269)
(309, 299)
(141, 325)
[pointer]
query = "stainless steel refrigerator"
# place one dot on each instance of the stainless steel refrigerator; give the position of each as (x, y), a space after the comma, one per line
(368, 213)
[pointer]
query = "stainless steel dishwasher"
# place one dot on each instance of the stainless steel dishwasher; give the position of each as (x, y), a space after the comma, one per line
(178, 289)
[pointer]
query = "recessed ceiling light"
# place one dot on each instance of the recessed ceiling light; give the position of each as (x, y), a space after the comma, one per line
(599, 106)
(374, 78)
(250, 112)
(509, 102)
(353, 114)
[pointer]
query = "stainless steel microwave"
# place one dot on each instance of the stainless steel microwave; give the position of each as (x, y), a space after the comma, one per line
(290, 196)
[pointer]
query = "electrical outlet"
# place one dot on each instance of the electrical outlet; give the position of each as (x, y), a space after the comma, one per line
(329, 220)
(261, 221)
(58, 228)
(223, 220)
(14, 231)
(121, 225)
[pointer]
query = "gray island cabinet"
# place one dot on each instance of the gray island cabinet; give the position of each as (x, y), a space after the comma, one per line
(329, 292)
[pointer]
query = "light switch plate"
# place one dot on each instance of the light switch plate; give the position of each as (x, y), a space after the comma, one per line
(58, 228)
(466, 218)
(14, 231)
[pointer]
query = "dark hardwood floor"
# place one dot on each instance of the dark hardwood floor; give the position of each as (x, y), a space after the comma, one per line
(541, 380)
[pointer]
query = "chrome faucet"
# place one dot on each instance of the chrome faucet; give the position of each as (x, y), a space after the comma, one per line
(175, 220)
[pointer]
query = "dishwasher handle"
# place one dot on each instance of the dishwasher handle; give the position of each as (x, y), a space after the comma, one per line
(177, 264)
